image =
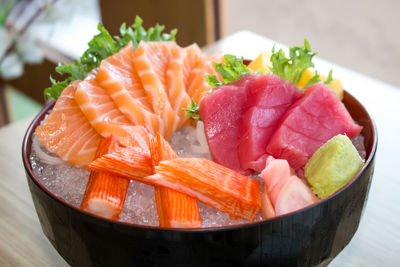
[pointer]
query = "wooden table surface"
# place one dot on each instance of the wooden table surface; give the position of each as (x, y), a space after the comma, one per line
(376, 242)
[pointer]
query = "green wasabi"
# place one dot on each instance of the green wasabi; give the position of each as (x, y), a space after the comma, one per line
(332, 166)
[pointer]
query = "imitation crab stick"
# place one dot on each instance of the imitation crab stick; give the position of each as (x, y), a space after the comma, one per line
(130, 162)
(212, 184)
(202, 179)
(174, 209)
(105, 193)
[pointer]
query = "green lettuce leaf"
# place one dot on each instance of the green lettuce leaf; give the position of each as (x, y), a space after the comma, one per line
(291, 69)
(193, 111)
(231, 70)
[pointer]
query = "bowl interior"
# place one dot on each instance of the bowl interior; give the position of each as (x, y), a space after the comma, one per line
(355, 108)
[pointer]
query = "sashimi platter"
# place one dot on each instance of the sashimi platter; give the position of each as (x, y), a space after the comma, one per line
(143, 132)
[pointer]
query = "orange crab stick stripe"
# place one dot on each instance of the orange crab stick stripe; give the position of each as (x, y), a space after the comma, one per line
(212, 184)
(130, 162)
(174, 209)
(105, 194)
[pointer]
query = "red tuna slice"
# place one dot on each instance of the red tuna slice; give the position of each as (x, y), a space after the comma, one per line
(221, 112)
(269, 98)
(315, 118)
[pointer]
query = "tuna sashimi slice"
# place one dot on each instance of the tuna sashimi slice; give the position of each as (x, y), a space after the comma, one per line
(67, 133)
(118, 77)
(129, 162)
(151, 61)
(105, 194)
(222, 112)
(268, 100)
(314, 119)
(174, 209)
(105, 117)
(212, 184)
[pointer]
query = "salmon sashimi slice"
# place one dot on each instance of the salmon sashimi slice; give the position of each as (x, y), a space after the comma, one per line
(151, 60)
(175, 82)
(174, 209)
(130, 162)
(118, 77)
(192, 57)
(67, 133)
(105, 117)
(212, 184)
(105, 194)
(197, 85)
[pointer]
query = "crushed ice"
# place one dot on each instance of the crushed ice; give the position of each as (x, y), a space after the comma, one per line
(69, 183)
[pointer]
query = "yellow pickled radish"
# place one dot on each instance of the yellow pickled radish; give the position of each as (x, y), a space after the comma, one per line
(262, 63)
(305, 77)
(335, 85)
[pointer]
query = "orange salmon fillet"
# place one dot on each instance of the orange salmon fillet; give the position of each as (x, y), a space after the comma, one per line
(118, 77)
(197, 85)
(191, 59)
(105, 117)
(174, 209)
(67, 133)
(175, 84)
(212, 184)
(105, 194)
(151, 61)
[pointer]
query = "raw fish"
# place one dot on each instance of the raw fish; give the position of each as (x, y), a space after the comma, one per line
(269, 98)
(314, 119)
(67, 133)
(222, 111)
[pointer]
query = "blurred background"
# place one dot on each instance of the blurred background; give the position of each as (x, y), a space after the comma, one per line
(36, 34)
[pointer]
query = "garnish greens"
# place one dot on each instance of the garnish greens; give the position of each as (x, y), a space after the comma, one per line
(102, 46)
(231, 70)
(316, 78)
(291, 69)
(328, 81)
(193, 111)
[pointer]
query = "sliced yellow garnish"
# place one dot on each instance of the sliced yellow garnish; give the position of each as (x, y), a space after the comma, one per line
(335, 85)
(262, 63)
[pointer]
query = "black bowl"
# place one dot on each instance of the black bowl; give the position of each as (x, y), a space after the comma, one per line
(311, 236)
